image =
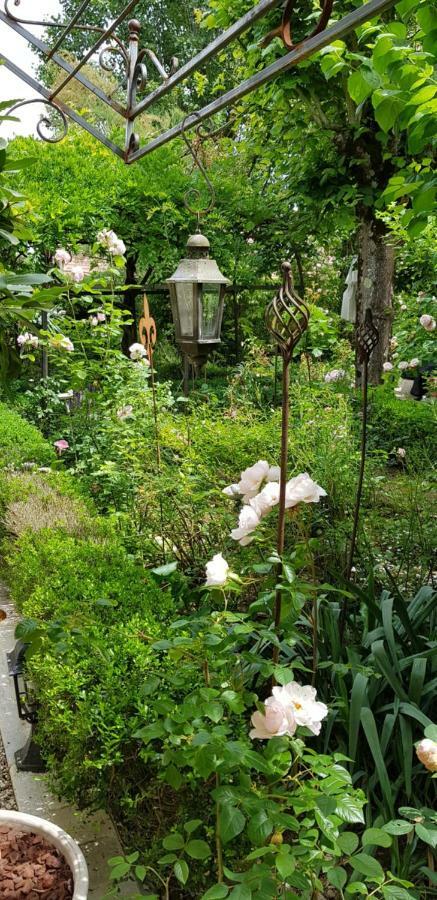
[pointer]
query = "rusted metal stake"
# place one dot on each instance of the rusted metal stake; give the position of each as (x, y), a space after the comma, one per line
(282, 489)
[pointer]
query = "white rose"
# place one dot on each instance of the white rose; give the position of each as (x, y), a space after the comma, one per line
(414, 363)
(247, 522)
(427, 322)
(387, 366)
(137, 351)
(427, 753)
(276, 721)
(307, 711)
(231, 491)
(266, 499)
(403, 365)
(216, 571)
(302, 489)
(274, 473)
(252, 478)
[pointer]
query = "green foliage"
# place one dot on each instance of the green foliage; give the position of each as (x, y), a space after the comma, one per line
(407, 424)
(21, 442)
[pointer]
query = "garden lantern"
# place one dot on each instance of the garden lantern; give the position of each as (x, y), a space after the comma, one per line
(28, 758)
(197, 291)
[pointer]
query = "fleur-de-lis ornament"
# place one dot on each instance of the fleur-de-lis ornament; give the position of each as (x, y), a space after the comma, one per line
(147, 331)
(287, 316)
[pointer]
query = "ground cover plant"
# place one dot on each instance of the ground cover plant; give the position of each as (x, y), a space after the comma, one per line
(246, 749)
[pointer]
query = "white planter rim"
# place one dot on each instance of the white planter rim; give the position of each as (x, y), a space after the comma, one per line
(59, 839)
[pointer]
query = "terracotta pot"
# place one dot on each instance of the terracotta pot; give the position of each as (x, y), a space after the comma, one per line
(59, 839)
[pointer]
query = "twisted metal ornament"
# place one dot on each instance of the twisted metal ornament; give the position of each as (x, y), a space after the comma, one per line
(287, 316)
(284, 30)
(44, 121)
(193, 192)
(147, 330)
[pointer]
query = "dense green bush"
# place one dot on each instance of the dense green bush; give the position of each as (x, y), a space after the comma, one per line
(402, 423)
(95, 612)
(21, 442)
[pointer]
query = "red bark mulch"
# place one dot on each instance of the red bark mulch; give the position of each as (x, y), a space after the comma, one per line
(31, 868)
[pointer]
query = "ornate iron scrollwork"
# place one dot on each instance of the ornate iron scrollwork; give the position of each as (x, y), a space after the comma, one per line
(44, 121)
(284, 30)
(147, 331)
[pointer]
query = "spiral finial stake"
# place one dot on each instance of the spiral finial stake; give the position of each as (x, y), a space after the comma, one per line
(287, 319)
(287, 316)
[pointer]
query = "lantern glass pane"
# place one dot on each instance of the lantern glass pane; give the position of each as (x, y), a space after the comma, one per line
(184, 297)
(209, 311)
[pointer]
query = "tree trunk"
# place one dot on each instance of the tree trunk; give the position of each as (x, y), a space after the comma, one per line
(375, 288)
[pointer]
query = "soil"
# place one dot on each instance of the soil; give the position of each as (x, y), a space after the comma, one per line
(31, 868)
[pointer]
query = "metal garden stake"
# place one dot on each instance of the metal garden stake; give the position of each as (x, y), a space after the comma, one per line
(287, 318)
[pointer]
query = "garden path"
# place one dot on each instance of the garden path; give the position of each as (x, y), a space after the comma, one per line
(29, 793)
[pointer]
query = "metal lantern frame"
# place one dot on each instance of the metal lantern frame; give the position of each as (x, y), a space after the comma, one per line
(196, 272)
(135, 59)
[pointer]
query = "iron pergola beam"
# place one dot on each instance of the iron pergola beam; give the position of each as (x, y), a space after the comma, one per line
(133, 56)
(307, 48)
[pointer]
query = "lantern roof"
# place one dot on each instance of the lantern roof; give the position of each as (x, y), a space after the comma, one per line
(198, 267)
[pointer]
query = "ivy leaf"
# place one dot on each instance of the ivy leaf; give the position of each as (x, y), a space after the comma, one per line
(232, 823)
(181, 871)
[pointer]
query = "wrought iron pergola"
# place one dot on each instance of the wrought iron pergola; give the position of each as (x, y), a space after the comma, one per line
(134, 59)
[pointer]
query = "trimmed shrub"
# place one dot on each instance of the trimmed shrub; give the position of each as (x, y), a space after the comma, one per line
(21, 442)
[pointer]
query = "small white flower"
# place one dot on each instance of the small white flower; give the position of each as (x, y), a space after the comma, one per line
(247, 522)
(60, 342)
(61, 257)
(28, 340)
(125, 412)
(427, 753)
(387, 366)
(403, 307)
(307, 711)
(393, 343)
(334, 375)
(414, 363)
(302, 489)
(109, 240)
(101, 317)
(403, 365)
(137, 351)
(401, 453)
(216, 571)
(94, 321)
(427, 322)
(77, 274)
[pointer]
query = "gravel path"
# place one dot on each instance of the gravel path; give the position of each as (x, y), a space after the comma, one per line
(7, 797)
